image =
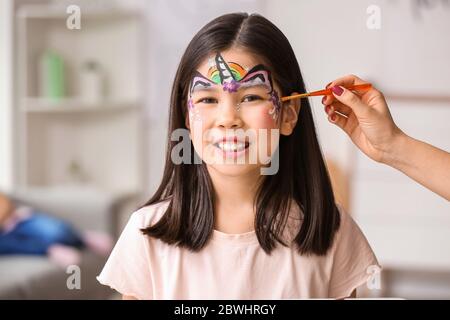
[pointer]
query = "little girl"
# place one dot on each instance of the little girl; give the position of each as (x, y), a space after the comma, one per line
(233, 225)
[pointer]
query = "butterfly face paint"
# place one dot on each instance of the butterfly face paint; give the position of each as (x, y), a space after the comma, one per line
(233, 77)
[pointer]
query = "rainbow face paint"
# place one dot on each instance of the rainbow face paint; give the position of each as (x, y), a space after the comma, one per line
(232, 77)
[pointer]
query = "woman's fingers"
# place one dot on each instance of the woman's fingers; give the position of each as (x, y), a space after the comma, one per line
(346, 120)
(338, 120)
(351, 100)
(327, 99)
(339, 106)
(365, 95)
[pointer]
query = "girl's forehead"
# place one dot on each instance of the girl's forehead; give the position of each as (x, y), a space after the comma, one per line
(237, 56)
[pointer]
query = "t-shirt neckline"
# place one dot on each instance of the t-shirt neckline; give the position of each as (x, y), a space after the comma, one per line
(235, 238)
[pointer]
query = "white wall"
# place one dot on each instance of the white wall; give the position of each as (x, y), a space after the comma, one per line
(6, 178)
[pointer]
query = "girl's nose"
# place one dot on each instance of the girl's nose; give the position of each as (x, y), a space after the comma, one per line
(228, 115)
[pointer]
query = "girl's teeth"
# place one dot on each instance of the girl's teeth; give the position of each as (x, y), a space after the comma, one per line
(231, 146)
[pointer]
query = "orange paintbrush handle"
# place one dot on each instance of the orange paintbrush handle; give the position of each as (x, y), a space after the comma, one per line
(364, 86)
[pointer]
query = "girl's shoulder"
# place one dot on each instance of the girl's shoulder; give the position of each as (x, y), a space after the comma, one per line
(149, 215)
(349, 236)
(347, 223)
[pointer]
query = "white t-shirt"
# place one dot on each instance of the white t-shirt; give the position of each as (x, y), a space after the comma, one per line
(234, 266)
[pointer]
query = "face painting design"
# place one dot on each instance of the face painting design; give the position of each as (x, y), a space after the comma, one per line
(232, 76)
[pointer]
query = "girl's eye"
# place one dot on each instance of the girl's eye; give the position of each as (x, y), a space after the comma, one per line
(207, 100)
(252, 97)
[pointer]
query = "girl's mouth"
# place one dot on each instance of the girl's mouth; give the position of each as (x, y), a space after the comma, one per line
(232, 149)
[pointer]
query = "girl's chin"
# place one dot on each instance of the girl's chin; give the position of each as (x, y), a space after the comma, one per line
(234, 170)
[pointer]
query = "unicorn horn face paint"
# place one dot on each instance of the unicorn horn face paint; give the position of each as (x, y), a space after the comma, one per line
(232, 77)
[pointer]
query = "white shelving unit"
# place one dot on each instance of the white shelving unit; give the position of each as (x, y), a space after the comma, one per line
(69, 142)
(35, 105)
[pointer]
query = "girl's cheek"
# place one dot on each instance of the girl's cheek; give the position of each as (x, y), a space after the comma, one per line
(194, 114)
(266, 118)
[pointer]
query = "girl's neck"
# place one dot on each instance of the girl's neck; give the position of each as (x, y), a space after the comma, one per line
(234, 197)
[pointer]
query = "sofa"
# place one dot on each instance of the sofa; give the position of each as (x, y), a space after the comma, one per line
(36, 277)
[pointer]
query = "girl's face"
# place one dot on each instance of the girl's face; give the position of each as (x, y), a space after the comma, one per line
(235, 114)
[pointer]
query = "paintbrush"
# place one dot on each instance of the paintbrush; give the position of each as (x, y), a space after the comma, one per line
(364, 86)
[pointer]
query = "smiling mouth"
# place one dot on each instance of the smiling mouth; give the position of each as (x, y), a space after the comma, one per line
(230, 146)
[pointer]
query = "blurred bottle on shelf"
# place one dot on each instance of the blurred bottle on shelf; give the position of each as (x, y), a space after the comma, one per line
(91, 82)
(52, 76)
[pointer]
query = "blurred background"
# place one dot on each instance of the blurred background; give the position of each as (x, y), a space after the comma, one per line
(84, 92)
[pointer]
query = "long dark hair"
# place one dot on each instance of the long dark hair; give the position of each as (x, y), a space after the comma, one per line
(302, 176)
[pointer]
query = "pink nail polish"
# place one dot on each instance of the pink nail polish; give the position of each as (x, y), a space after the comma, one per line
(333, 117)
(337, 90)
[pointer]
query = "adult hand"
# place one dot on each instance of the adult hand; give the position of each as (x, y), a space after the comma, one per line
(367, 119)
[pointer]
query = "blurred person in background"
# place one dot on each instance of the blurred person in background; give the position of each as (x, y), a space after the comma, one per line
(27, 231)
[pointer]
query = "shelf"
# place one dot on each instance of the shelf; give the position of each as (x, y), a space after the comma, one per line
(104, 137)
(419, 98)
(39, 11)
(74, 105)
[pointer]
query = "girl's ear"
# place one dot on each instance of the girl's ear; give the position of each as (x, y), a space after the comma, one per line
(289, 116)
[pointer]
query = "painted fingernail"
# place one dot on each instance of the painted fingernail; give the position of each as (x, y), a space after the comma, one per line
(323, 99)
(327, 109)
(333, 117)
(337, 90)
